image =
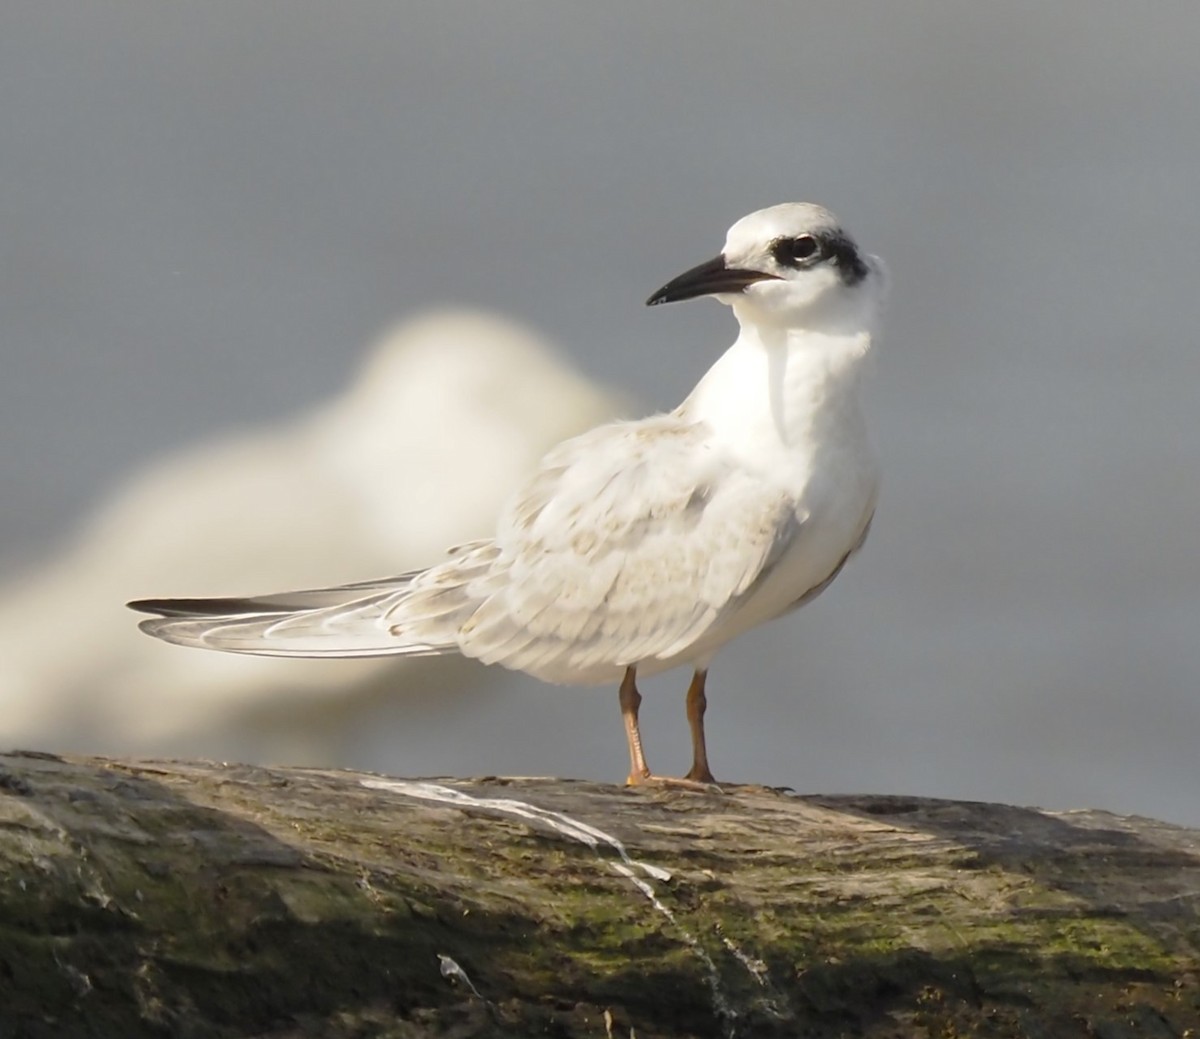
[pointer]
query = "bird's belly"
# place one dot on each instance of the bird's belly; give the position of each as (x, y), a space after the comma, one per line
(834, 527)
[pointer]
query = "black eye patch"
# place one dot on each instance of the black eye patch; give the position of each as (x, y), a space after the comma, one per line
(795, 252)
(806, 250)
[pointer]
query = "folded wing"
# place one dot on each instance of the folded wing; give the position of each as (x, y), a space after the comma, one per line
(627, 546)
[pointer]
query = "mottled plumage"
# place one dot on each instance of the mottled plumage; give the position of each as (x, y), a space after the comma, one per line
(641, 545)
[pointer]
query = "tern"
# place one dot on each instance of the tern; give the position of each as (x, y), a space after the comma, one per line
(649, 544)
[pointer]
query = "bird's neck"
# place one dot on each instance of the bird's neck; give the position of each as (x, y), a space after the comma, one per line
(787, 386)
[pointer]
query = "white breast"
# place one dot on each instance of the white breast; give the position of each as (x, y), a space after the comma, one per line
(788, 410)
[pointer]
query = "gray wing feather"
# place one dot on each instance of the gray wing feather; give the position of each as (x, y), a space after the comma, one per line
(627, 545)
(344, 621)
(354, 627)
(618, 551)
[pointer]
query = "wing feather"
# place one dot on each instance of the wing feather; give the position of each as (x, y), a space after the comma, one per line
(628, 545)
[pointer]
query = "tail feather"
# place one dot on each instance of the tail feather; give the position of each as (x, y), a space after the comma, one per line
(346, 621)
(282, 602)
(420, 613)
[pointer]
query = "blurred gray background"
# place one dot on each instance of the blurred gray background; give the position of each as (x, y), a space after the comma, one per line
(208, 209)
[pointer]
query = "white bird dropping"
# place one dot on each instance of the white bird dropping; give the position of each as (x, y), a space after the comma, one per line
(643, 545)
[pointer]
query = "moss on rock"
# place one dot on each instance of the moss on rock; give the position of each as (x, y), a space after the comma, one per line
(192, 899)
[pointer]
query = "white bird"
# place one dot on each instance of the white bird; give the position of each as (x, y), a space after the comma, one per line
(643, 545)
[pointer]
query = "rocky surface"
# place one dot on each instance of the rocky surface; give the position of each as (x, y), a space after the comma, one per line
(172, 898)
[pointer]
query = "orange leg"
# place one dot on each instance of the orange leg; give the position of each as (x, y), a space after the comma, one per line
(699, 778)
(631, 700)
(697, 703)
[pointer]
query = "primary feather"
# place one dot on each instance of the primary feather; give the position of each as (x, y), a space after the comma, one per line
(617, 551)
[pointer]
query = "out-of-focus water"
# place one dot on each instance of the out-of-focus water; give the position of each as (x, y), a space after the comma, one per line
(208, 211)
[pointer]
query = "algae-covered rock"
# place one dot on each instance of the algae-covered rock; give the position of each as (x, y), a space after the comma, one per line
(195, 899)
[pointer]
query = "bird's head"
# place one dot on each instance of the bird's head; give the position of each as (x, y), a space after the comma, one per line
(789, 265)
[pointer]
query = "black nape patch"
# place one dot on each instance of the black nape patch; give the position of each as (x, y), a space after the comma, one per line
(839, 249)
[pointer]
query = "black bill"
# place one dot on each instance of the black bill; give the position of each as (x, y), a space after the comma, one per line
(708, 279)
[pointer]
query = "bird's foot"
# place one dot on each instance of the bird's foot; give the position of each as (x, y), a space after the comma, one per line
(704, 783)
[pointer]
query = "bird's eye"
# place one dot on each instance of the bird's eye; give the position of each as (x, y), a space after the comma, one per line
(795, 252)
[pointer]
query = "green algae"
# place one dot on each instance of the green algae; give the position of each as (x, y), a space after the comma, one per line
(200, 900)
